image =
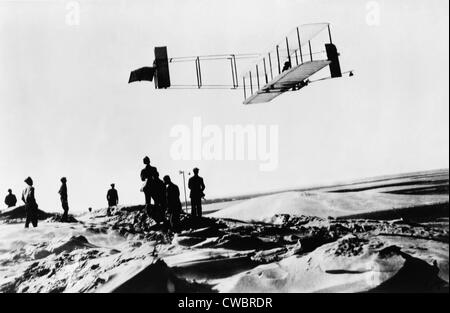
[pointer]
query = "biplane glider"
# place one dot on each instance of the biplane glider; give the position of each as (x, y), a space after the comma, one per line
(288, 66)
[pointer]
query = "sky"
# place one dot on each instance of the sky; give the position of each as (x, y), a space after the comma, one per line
(66, 108)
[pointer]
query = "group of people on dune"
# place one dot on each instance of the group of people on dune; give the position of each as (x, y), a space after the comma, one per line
(164, 193)
(31, 206)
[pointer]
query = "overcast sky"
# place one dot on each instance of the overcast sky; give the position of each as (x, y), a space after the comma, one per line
(66, 108)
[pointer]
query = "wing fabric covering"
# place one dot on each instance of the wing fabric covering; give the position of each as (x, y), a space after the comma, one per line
(262, 96)
(286, 81)
(297, 74)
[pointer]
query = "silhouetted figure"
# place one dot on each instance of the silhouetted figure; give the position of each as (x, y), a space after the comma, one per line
(286, 66)
(173, 203)
(63, 195)
(90, 210)
(113, 198)
(197, 187)
(10, 199)
(148, 174)
(31, 207)
(158, 193)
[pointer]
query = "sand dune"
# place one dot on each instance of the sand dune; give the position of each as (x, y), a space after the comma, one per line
(325, 240)
(349, 199)
(350, 264)
(322, 204)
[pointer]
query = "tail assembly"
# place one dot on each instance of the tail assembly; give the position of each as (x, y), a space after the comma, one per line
(333, 57)
(159, 71)
(161, 63)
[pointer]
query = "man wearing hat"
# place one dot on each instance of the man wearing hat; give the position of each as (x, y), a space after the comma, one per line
(112, 197)
(30, 204)
(148, 176)
(159, 197)
(63, 194)
(197, 187)
(10, 199)
(173, 203)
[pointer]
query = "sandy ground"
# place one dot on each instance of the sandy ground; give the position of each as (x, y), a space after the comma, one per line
(383, 235)
(380, 194)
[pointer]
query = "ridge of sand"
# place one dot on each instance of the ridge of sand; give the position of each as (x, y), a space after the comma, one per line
(252, 246)
(322, 204)
(126, 252)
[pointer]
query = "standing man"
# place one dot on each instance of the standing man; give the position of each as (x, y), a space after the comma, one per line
(10, 199)
(148, 174)
(63, 195)
(197, 187)
(112, 197)
(31, 206)
(159, 198)
(173, 203)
